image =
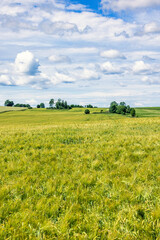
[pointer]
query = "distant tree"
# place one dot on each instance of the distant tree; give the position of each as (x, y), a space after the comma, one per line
(42, 105)
(38, 106)
(133, 112)
(22, 105)
(8, 103)
(113, 107)
(76, 106)
(51, 103)
(89, 106)
(66, 105)
(87, 111)
(122, 104)
(59, 104)
(128, 109)
(121, 109)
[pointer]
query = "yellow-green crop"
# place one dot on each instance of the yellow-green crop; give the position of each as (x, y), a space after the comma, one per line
(67, 175)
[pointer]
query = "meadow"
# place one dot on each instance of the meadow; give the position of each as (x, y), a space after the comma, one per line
(8, 109)
(67, 175)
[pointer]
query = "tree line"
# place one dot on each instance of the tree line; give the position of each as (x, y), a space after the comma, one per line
(9, 103)
(121, 108)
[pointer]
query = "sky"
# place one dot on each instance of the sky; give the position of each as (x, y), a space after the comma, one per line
(85, 52)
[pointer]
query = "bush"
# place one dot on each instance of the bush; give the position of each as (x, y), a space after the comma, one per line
(133, 112)
(121, 109)
(113, 107)
(87, 111)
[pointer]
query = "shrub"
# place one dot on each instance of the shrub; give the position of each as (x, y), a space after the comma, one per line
(87, 111)
(113, 107)
(133, 112)
(121, 109)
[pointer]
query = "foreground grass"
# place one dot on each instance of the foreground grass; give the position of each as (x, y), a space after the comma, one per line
(66, 175)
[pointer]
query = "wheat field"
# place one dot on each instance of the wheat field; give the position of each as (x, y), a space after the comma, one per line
(67, 175)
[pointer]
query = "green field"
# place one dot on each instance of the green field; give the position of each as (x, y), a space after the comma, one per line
(8, 109)
(67, 175)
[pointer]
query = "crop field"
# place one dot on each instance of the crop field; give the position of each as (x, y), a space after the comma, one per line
(67, 175)
(8, 109)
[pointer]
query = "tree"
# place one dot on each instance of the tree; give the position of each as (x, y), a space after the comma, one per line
(65, 105)
(128, 109)
(121, 109)
(89, 106)
(38, 106)
(51, 103)
(42, 105)
(8, 103)
(133, 112)
(122, 104)
(113, 107)
(87, 111)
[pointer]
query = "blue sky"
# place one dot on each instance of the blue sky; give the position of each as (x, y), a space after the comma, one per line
(81, 51)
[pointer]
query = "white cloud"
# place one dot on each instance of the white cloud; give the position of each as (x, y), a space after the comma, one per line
(25, 63)
(88, 74)
(112, 54)
(108, 68)
(59, 58)
(5, 80)
(118, 5)
(141, 67)
(62, 78)
(31, 101)
(150, 80)
(152, 27)
(76, 7)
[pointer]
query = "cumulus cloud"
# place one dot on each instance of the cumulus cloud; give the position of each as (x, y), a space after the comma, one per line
(89, 74)
(62, 78)
(118, 5)
(112, 54)
(152, 27)
(141, 67)
(108, 68)
(26, 63)
(59, 58)
(5, 80)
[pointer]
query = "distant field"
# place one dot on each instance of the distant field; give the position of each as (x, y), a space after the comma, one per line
(148, 112)
(8, 109)
(65, 175)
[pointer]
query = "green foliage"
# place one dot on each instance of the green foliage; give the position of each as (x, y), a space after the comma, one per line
(89, 106)
(133, 112)
(51, 103)
(38, 106)
(42, 105)
(87, 111)
(128, 110)
(9, 103)
(61, 104)
(63, 177)
(121, 109)
(22, 105)
(113, 107)
(122, 104)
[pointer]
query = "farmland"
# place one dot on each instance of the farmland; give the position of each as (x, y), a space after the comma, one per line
(67, 175)
(8, 109)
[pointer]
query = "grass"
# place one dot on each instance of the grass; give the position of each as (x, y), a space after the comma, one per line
(148, 112)
(67, 175)
(8, 109)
